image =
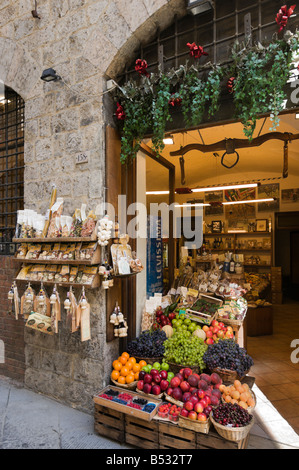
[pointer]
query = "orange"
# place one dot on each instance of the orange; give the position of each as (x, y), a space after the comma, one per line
(132, 359)
(136, 368)
(117, 365)
(142, 363)
(130, 378)
(123, 360)
(115, 374)
(136, 376)
(124, 371)
(129, 365)
(126, 355)
(121, 380)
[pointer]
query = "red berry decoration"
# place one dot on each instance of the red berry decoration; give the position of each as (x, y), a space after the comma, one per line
(141, 66)
(283, 16)
(230, 84)
(196, 51)
(120, 113)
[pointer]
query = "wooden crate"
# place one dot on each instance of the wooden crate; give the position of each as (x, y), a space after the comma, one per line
(141, 433)
(172, 436)
(214, 441)
(109, 423)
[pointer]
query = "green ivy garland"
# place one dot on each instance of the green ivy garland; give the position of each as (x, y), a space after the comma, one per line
(260, 75)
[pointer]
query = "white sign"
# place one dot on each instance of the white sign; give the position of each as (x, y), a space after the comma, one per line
(82, 158)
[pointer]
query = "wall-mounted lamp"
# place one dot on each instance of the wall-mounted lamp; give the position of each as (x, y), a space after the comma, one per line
(196, 7)
(168, 140)
(50, 75)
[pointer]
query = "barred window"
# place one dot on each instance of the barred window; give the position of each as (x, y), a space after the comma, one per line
(11, 165)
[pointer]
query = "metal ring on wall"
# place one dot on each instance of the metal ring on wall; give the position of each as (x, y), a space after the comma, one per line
(234, 164)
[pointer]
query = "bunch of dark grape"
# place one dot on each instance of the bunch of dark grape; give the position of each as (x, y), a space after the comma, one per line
(148, 344)
(226, 354)
(231, 414)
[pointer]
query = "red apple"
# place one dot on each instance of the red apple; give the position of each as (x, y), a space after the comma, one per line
(187, 372)
(198, 407)
(201, 394)
(169, 391)
(163, 374)
(194, 399)
(204, 402)
(215, 323)
(192, 415)
(207, 399)
(140, 384)
(177, 394)
(147, 388)
(154, 372)
(186, 397)
(201, 417)
(189, 405)
(156, 390)
(164, 384)
(157, 378)
(141, 375)
(180, 376)
(185, 386)
(147, 379)
(175, 382)
(184, 413)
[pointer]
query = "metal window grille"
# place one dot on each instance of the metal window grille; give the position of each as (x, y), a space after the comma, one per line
(215, 30)
(11, 166)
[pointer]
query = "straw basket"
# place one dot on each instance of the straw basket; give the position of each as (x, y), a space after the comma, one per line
(250, 408)
(175, 368)
(230, 433)
(229, 376)
(194, 425)
(173, 400)
(131, 386)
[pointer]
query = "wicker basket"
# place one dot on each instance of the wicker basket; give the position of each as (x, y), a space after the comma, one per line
(173, 400)
(228, 376)
(150, 395)
(131, 386)
(232, 434)
(250, 408)
(197, 426)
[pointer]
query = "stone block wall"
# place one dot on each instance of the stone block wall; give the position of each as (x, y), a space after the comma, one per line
(86, 42)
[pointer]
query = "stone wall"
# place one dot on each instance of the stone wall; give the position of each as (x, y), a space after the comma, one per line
(85, 41)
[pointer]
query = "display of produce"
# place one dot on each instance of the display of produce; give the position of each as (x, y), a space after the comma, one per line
(185, 350)
(228, 414)
(226, 354)
(128, 400)
(148, 344)
(216, 331)
(238, 393)
(126, 369)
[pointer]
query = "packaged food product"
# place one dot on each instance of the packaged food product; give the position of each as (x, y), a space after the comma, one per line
(33, 251)
(23, 273)
(66, 223)
(50, 272)
(54, 229)
(22, 251)
(76, 224)
(89, 225)
(55, 252)
(87, 251)
(65, 273)
(73, 273)
(20, 218)
(89, 273)
(45, 252)
(68, 253)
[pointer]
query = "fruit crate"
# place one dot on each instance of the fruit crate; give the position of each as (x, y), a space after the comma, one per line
(202, 317)
(141, 433)
(172, 436)
(109, 423)
(214, 441)
(194, 425)
(124, 408)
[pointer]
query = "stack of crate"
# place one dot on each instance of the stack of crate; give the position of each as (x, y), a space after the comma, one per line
(276, 285)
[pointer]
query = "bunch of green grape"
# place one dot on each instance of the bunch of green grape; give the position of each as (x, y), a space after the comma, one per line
(185, 350)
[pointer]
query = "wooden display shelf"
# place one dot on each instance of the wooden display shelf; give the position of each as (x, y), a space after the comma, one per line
(73, 262)
(232, 234)
(156, 434)
(55, 240)
(95, 283)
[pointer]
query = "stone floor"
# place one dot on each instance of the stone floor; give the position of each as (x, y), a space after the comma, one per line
(276, 376)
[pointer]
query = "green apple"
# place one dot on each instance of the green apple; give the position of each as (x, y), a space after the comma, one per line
(164, 366)
(170, 376)
(145, 369)
(156, 365)
(149, 367)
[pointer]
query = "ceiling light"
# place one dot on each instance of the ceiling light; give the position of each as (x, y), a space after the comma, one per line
(248, 201)
(168, 140)
(196, 7)
(297, 116)
(192, 205)
(151, 193)
(50, 75)
(220, 188)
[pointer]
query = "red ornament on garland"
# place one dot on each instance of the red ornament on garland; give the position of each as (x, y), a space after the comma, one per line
(141, 66)
(230, 84)
(196, 51)
(175, 101)
(120, 112)
(283, 16)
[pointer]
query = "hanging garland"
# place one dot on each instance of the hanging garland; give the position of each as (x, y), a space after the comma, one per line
(256, 81)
